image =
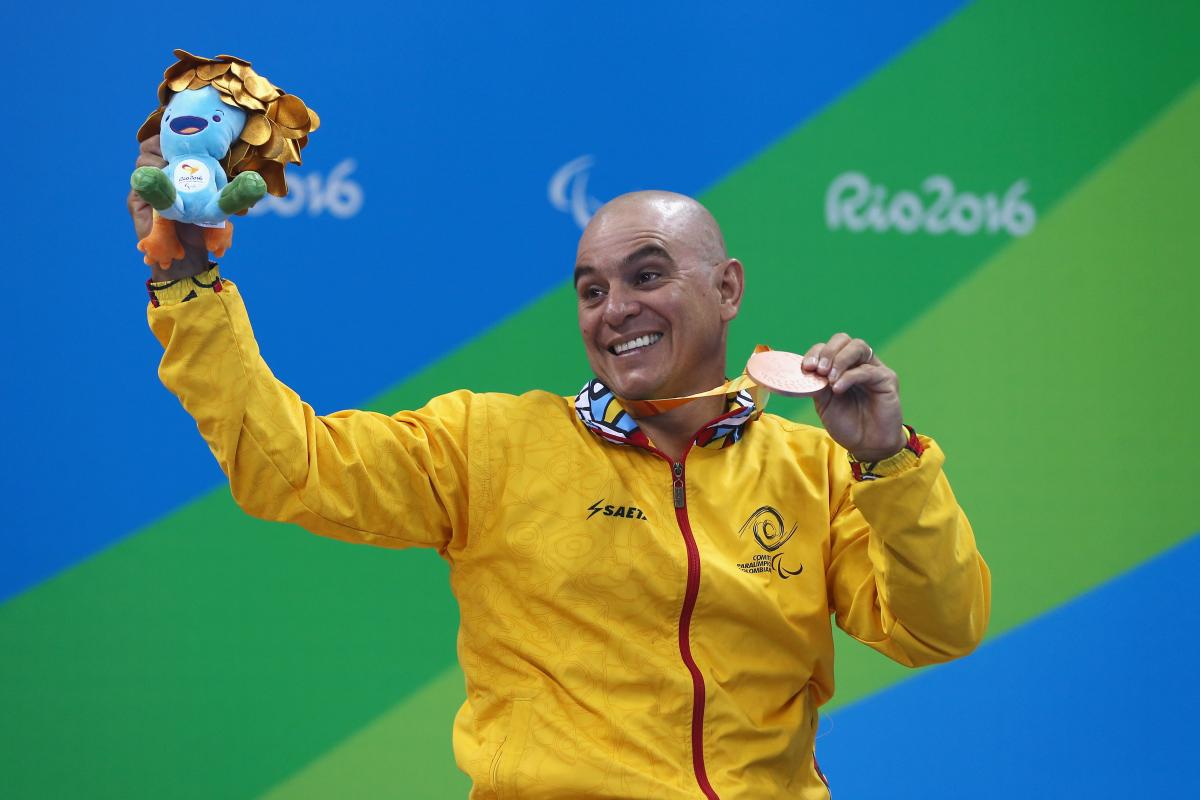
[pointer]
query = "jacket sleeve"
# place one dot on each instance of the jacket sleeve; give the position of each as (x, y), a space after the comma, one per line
(905, 576)
(364, 477)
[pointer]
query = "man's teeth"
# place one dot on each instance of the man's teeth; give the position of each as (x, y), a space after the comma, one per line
(641, 341)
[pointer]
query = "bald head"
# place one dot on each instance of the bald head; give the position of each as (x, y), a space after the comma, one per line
(656, 293)
(678, 216)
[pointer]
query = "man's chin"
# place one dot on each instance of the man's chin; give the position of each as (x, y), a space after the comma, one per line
(633, 389)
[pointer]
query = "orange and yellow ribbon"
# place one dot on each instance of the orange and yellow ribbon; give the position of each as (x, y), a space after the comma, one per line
(649, 408)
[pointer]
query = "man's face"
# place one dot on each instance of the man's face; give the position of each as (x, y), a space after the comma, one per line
(654, 299)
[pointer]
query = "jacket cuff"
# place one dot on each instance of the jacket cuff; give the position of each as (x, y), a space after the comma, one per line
(907, 458)
(168, 293)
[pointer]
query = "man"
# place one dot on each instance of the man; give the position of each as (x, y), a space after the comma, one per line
(645, 598)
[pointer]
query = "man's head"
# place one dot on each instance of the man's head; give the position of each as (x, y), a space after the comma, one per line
(656, 293)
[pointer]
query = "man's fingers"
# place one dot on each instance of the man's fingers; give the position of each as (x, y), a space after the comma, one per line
(855, 352)
(871, 377)
(829, 352)
(152, 145)
(149, 155)
(810, 358)
(142, 213)
(840, 354)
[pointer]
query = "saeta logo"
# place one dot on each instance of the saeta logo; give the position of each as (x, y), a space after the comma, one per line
(627, 512)
(568, 192)
(311, 193)
(853, 202)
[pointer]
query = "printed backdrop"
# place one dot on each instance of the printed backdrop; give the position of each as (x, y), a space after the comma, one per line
(999, 196)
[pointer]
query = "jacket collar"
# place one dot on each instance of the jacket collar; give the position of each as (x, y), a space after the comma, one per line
(601, 412)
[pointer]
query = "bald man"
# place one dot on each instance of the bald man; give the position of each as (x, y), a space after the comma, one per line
(653, 265)
(645, 598)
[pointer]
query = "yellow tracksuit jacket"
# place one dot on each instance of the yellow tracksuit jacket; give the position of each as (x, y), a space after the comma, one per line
(631, 628)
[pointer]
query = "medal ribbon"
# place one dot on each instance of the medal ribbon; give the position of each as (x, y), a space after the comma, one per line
(649, 408)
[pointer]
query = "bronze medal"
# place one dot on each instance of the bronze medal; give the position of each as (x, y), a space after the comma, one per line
(783, 373)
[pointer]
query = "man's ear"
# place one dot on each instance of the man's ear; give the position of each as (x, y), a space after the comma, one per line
(731, 281)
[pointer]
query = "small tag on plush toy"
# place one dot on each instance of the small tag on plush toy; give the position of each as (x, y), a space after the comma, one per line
(227, 134)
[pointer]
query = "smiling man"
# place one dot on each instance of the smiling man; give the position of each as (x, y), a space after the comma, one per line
(656, 296)
(645, 598)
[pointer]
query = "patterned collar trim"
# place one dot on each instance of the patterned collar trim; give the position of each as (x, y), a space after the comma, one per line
(603, 415)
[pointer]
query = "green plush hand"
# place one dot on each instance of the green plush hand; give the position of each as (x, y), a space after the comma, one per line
(242, 192)
(153, 186)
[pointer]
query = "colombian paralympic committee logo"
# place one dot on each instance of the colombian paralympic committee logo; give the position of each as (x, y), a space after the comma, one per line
(856, 204)
(769, 530)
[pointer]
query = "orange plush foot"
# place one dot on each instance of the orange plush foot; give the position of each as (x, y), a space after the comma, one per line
(217, 240)
(162, 245)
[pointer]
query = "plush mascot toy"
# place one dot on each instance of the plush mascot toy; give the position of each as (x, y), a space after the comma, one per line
(227, 134)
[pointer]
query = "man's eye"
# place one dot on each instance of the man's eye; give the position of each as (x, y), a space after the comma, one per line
(643, 277)
(591, 292)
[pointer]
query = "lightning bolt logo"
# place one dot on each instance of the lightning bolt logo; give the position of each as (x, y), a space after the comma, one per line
(595, 507)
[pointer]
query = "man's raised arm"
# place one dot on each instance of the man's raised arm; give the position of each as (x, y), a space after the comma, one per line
(393, 481)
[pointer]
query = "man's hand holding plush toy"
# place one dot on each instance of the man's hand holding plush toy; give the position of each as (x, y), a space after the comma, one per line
(219, 141)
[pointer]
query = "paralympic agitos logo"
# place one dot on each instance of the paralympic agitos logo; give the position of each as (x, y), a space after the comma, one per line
(626, 512)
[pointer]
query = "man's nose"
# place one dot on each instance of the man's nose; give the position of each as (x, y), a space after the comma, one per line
(619, 307)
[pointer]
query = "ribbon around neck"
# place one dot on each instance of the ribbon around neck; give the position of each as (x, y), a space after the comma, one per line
(649, 408)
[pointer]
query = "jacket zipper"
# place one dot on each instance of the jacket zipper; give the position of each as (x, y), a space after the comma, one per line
(691, 593)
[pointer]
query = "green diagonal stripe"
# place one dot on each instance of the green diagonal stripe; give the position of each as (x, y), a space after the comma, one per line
(1053, 380)
(210, 655)
(1003, 91)
(404, 754)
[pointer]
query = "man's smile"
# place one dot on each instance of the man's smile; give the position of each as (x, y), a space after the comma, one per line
(635, 344)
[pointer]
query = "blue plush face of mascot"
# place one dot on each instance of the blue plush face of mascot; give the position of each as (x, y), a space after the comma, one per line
(196, 132)
(197, 123)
